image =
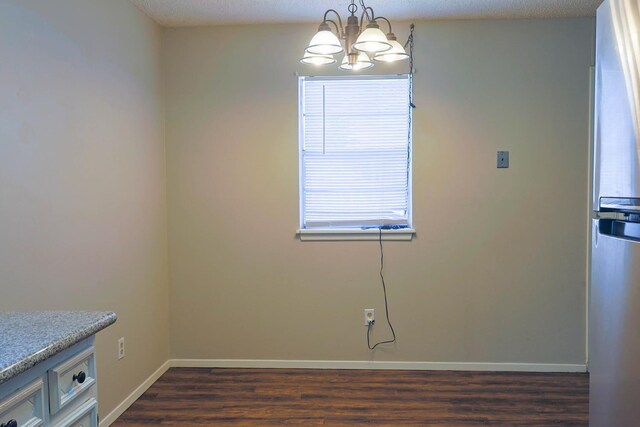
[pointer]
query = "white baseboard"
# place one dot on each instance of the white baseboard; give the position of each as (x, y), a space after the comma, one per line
(139, 391)
(357, 364)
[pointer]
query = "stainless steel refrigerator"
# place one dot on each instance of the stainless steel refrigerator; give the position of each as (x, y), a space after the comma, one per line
(614, 307)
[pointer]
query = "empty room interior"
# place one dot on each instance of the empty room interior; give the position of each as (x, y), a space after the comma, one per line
(332, 212)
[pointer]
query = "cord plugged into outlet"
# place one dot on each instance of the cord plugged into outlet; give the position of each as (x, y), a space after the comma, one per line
(369, 316)
(369, 324)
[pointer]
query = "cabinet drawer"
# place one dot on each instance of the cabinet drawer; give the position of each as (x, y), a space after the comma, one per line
(86, 415)
(70, 379)
(25, 408)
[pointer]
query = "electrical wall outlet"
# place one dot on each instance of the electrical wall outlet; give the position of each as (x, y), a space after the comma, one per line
(121, 348)
(503, 159)
(369, 316)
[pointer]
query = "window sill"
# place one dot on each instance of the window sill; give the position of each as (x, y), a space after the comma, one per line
(404, 234)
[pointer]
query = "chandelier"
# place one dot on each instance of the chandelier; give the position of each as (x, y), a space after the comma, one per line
(361, 45)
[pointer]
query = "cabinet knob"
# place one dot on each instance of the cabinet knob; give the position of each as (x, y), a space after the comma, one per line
(80, 378)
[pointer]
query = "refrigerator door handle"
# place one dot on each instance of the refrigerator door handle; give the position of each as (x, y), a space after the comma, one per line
(625, 230)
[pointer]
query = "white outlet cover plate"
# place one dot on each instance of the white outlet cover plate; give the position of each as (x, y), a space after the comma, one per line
(121, 352)
(369, 315)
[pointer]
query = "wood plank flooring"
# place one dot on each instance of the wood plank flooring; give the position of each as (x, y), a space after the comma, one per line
(262, 397)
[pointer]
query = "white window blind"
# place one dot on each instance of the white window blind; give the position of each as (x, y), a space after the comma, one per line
(355, 152)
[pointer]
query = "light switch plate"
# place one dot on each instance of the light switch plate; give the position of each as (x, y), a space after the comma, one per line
(503, 159)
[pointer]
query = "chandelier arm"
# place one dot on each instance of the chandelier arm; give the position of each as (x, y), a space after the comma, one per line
(340, 30)
(364, 13)
(335, 25)
(373, 16)
(384, 19)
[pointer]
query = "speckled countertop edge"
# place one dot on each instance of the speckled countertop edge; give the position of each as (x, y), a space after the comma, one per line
(78, 326)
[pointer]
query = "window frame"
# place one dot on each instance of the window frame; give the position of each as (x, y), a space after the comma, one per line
(351, 233)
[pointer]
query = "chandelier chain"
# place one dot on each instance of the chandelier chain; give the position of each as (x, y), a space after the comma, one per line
(411, 104)
(352, 7)
(366, 12)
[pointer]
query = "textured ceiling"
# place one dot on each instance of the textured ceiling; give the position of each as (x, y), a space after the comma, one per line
(177, 13)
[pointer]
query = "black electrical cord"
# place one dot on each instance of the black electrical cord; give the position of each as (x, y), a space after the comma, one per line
(386, 304)
(409, 43)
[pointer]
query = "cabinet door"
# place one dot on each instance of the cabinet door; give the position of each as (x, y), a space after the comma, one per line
(25, 407)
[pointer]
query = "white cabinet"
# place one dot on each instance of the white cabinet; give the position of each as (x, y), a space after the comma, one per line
(24, 408)
(58, 392)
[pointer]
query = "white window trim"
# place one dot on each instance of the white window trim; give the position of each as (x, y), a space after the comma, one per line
(354, 234)
(403, 234)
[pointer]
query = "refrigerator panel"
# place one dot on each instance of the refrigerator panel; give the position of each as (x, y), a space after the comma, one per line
(614, 324)
(617, 101)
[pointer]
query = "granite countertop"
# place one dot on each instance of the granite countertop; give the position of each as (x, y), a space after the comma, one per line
(28, 338)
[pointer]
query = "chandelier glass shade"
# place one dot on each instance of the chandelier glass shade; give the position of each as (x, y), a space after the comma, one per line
(372, 40)
(362, 62)
(396, 53)
(358, 44)
(324, 42)
(314, 59)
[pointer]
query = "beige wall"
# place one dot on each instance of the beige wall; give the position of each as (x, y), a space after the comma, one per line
(82, 175)
(497, 270)
(495, 274)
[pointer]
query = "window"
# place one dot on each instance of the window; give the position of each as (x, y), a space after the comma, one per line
(355, 155)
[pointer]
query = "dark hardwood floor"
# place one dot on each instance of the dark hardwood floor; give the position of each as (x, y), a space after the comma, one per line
(261, 397)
